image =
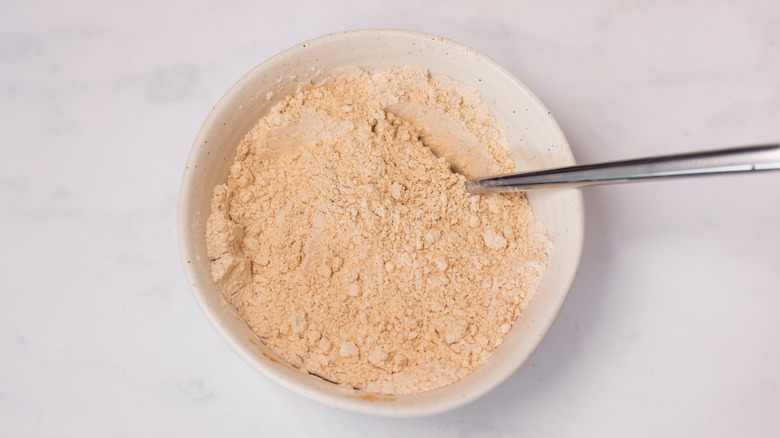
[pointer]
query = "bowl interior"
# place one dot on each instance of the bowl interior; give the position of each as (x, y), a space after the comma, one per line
(537, 142)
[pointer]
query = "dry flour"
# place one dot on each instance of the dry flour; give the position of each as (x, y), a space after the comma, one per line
(355, 253)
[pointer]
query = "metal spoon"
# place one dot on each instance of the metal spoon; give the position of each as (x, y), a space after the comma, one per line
(714, 162)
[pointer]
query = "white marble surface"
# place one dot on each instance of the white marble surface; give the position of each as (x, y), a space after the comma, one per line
(669, 330)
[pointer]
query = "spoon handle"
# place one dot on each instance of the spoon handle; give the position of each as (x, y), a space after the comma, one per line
(714, 162)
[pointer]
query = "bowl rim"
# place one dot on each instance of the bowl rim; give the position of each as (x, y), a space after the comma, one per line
(301, 388)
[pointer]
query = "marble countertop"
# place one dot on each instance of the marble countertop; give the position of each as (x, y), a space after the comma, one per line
(669, 330)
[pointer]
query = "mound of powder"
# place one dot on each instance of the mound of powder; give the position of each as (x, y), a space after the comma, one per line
(355, 253)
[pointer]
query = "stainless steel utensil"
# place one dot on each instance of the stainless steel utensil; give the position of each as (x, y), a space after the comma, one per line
(714, 162)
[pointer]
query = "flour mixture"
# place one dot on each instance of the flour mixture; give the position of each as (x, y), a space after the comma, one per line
(351, 248)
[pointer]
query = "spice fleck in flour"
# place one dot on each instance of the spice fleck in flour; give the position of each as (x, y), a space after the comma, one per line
(355, 253)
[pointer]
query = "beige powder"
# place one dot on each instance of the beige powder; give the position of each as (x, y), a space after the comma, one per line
(355, 253)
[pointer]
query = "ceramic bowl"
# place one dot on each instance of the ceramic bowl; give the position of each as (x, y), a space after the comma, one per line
(537, 142)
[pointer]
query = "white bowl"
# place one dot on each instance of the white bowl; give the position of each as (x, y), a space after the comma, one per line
(537, 142)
